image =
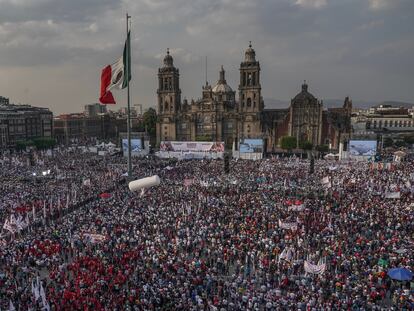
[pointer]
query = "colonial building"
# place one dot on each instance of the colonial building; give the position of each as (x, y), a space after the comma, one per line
(23, 122)
(383, 120)
(220, 116)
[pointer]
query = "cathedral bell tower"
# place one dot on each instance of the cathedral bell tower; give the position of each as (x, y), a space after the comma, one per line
(250, 89)
(169, 99)
(250, 99)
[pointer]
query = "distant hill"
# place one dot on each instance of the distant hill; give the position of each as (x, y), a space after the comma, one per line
(271, 103)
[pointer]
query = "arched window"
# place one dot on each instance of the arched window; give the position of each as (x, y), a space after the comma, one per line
(249, 102)
(166, 106)
(254, 79)
(249, 79)
(244, 79)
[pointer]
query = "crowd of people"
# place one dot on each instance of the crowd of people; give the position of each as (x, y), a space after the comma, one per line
(267, 236)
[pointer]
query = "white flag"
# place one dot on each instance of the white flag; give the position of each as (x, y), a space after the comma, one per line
(11, 306)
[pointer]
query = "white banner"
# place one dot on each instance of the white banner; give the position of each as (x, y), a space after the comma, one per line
(288, 225)
(314, 269)
(192, 146)
(392, 195)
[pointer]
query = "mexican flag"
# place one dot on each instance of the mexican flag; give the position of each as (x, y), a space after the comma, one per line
(115, 75)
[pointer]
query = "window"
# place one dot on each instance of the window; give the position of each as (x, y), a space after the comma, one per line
(249, 78)
(229, 125)
(375, 124)
(400, 123)
(249, 102)
(244, 79)
(254, 78)
(166, 106)
(380, 124)
(386, 123)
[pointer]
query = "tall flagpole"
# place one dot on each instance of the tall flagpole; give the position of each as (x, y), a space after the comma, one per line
(129, 106)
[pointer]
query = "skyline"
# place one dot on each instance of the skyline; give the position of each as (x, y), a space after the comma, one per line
(52, 52)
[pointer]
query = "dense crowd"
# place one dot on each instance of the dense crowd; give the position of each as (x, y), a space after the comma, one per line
(204, 240)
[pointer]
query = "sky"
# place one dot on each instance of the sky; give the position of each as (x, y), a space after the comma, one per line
(52, 51)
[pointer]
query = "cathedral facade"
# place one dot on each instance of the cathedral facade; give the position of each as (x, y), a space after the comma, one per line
(220, 116)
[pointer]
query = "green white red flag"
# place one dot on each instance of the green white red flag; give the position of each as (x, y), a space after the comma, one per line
(114, 76)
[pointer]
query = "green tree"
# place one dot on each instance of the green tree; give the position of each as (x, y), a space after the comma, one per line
(322, 148)
(150, 121)
(22, 144)
(306, 145)
(288, 142)
(44, 143)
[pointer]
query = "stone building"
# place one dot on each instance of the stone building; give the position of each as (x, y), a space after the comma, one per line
(217, 116)
(305, 117)
(23, 122)
(220, 116)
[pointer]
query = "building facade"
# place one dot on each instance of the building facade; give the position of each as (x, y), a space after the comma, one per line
(23, 122)
(80, 127)
(219, 116)
(382, 121)
(93, 110)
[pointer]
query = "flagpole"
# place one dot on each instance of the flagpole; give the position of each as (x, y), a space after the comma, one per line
(129, 106)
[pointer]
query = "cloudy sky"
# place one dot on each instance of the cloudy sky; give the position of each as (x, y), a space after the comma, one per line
(52, 51)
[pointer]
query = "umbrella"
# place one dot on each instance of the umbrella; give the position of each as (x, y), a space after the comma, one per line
(400, 274)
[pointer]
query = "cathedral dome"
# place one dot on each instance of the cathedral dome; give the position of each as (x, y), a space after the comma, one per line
(221, 85)
(250, 54)
(304, 94)
(168, 60)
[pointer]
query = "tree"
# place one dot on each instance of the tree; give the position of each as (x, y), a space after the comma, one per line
(306, 145)
(150, 121)
(288, 143)
(322, 148)
(22, 144)
(44, 143)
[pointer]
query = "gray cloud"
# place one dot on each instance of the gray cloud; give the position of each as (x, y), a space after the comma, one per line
(360, 48)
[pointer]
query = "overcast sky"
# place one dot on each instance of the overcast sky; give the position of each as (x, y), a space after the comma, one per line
(52, 51)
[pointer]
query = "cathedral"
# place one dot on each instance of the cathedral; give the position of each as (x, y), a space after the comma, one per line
(221, 117)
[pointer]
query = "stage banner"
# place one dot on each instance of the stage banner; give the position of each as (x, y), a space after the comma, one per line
(192, 146)
(251, 146)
